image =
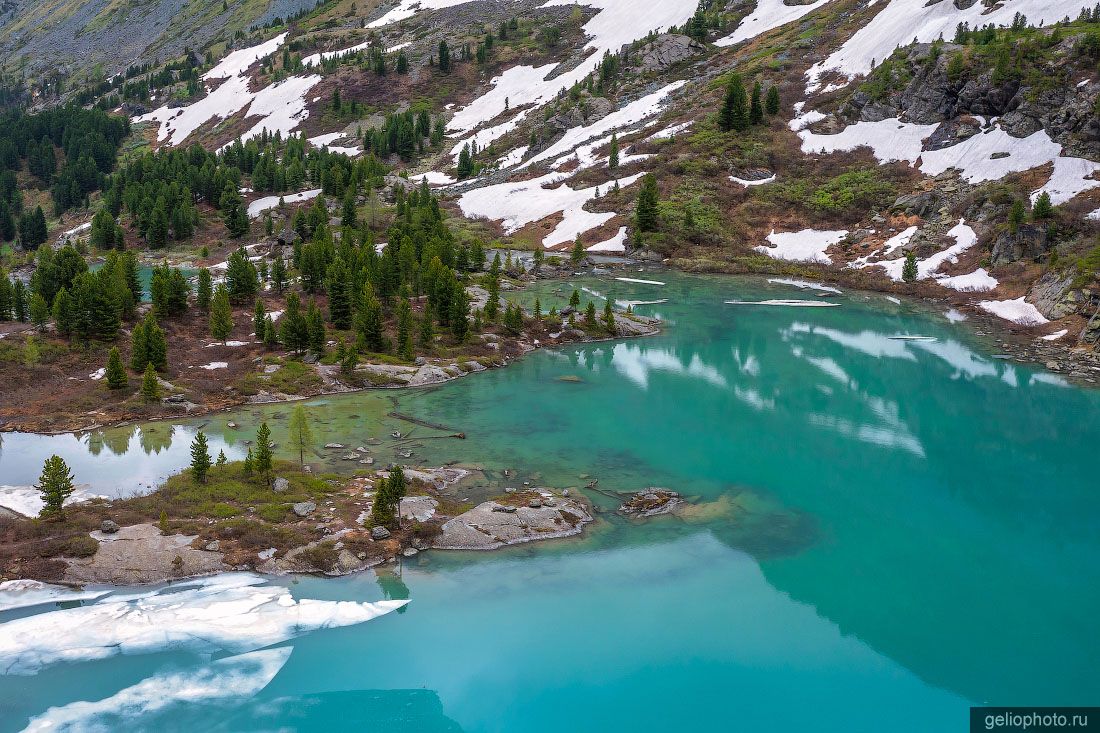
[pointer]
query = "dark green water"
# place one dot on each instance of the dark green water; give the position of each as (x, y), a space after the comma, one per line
(892, 531)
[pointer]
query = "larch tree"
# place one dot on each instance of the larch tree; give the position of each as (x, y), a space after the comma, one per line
(301, 435)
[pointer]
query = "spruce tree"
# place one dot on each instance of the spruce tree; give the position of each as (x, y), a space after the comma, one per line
(116, 374)
(771, 100)
(404, 330)
(19, 301)
(294, 328)
(609, 316)
(55, 485)
(241, 279)
(1042, 209)
(575, 299)
(200, 458)
(590, 315)
(735, 107)
(278, 275)
(233, 211)
(221, 315)
(315, 323)
(613, 156)
(339, 294)
(646, 213)
(249, 464)
(62, 312)
(909, 269)
(369, 321)
(150, 387)
(756, 108)
(460, 313)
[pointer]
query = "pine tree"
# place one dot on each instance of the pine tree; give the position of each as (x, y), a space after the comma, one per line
(369, 321)
(278, 275)
(771, 100)
(444, 57)
(609, 316)
(258, 317)
(263, 460)
(55, 485)
(205, 290)
(301, 435)
(249, 464)
(19, 301)
(756, 108)
(222, 460)
(271, 334)
(575, 299)
(221, 315)
(62, 311)
(200, 458)
(646, 214)
(590, 315)
(492, 305)
(381, 510)
(613, 156)
(909, 269)
(339, 294)
(735, 106)
(150, 387)
(116, 374)
(233, 211)
(139, 347)
(465, 166)
(241, 279)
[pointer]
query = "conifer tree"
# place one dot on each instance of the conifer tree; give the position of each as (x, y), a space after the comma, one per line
(590, 315)
(19, 301)
(263, 460)
(55, 485)
(271, 334)
(909, 269)
(241, 279)
(200, 458)
(404, 330)
(369, 321)
(315, 324)
(204, 291)
(771, 100)
(258, 317)
(460, 313)
(576, 254)
(150, 387)
(609, 316)
(116, 374)
(735, 106)
(221, 315)
(278, 275)
(575, 299)
(1042, 209)
(40, 313)
(613, 156)
(756, 108)
(646, 213)
(249, 463)
(62, 312)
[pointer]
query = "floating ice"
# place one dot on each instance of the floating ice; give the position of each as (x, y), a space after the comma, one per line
(804, 284)
(787, 303)
(223, 681)
(27, 593)
(26, 500)
(232, 612)
(635, 280)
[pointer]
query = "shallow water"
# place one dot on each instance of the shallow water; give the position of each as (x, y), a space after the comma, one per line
(889, 531)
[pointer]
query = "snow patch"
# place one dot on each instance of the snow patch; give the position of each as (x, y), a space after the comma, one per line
(267, 203)
(807, 245)
(1018, 311)
(767, 15)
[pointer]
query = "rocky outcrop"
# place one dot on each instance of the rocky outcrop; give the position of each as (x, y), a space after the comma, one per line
(1029, 242)
(1053, 296)
(496, 524)
(141, 554)
(667, 50)
(651, 502)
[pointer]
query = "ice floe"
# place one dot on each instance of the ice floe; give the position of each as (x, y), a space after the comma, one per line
(234, 612)
(26, 593)
(1017, 310)
(786, 303)
(807, 245)
(640, 282)
(804, 284)
(223, 681)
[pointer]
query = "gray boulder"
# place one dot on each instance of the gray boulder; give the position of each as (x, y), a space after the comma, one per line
(281, 485)
(304, 508)
(108, 526)
(379, 533)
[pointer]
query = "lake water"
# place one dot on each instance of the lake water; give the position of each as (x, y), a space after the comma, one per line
(886, 532)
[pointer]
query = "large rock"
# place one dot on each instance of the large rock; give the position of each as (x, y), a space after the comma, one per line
(304, 508)
(108, 526)
(281, 485)
(667, 50)
(485, 527)
(1030, 242)
(651, 502)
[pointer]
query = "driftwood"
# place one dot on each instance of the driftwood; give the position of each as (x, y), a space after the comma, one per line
(452, 433)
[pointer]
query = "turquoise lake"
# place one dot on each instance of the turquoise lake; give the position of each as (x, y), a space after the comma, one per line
(887, 532)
